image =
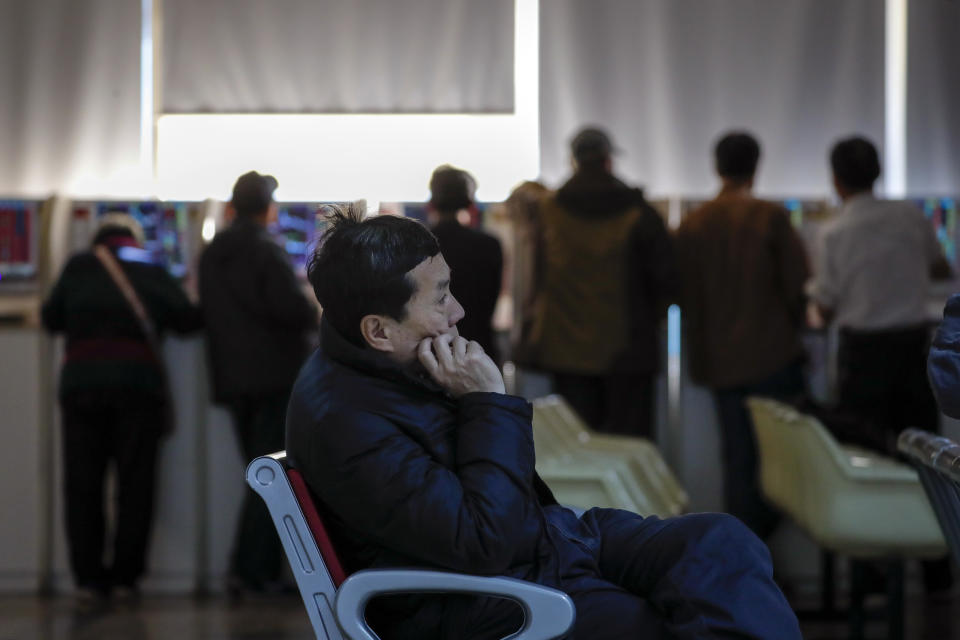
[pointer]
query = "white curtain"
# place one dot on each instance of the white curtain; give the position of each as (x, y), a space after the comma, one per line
(70, 72)
(933, 98)
(665, 77)
(321, 56)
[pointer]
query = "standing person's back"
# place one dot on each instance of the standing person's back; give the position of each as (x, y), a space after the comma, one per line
(256, 313)
(475, 257)
(874, 267)
(743, 269)
(606, 272)
(257, 317)
(112, 392)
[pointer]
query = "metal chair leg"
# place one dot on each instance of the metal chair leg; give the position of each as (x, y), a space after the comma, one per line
(857, 589)
(827, 587)
(895, 599)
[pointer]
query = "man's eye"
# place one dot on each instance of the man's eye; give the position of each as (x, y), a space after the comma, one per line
(443, 299)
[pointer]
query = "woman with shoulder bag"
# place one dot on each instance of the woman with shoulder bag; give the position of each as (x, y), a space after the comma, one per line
(113, 304)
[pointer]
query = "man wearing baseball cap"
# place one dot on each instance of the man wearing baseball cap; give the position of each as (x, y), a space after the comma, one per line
(606, 275)
(258, 318)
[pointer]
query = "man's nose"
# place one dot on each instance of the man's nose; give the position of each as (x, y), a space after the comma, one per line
(457, 312)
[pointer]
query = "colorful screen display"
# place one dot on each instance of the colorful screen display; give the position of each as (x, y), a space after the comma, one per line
(18, 241)
(166, 229)
(472, 217)
(298, 228)
(942, 214)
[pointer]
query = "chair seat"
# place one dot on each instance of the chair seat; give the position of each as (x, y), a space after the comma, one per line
(849, 500)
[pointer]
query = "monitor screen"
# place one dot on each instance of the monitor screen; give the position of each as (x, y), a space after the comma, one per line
(166, 229)
(942, 214)
(298, 228)
(19, 226)
(474, 217)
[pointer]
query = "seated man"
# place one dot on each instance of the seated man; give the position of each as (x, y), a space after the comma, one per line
(419, 459)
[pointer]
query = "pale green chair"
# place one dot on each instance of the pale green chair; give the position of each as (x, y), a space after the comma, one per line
(586, 484)
(848, 500)
(562, 440)
(567, 472)
(558, 430)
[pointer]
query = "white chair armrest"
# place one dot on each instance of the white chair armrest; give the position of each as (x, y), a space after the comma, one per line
(547, 613)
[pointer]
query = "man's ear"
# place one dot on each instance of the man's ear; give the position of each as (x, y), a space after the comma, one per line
(376, 330)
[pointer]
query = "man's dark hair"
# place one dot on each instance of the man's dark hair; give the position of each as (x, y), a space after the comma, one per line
(451, 189)
(253, 193)
(737, 154)
(591, 147)
(360, 267)
(855, 163)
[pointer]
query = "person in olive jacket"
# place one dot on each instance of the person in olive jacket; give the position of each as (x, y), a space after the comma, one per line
(258, 320)
(418, 458)
(606, 274)
(113, 400)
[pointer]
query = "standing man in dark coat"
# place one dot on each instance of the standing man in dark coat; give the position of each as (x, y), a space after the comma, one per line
(475, 257)
(418, 458)
(257, 318)
(744, 268)
(606, 275)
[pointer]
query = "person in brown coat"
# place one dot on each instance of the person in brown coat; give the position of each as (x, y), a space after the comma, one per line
(743, 268)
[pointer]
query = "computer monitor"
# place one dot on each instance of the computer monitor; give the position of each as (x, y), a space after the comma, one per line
(19, 231)
(473, 217)
(942, 214)
(298, 228)
(166, 229)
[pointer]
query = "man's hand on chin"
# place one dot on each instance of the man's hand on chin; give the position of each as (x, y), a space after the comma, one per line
(458, 365)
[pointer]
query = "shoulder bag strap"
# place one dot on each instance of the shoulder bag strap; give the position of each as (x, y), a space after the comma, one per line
(119, 278)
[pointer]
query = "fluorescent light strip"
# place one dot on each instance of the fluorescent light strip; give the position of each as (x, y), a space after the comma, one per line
(146, 86)
(895, 112)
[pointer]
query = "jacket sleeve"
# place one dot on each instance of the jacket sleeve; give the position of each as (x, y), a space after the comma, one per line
(654, 245)
(475, 518)
(283, 297)
(171, 307)
(943, 363)
(824, 287)
(793, 269)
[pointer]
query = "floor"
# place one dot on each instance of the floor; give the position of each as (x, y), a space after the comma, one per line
(276, 618)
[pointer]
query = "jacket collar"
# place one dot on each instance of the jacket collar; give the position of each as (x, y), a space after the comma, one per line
(596, 192)
(371, 362)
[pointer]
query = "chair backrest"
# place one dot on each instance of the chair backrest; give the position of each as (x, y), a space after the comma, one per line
(312, 558)
(937, 460)
(558, 427)
(800, 461)
(309, 507)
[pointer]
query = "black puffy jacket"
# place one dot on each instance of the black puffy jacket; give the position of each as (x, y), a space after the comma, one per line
(410, 477)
